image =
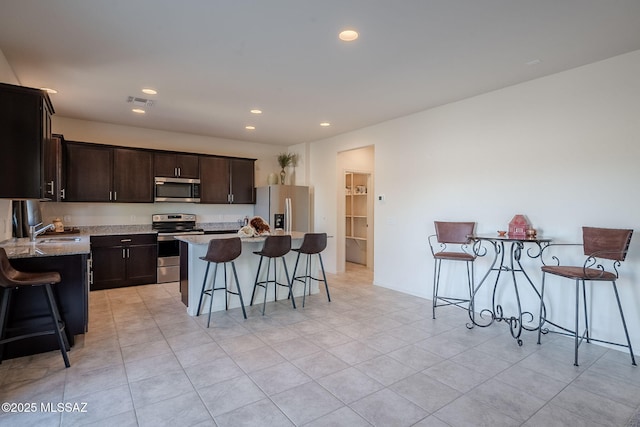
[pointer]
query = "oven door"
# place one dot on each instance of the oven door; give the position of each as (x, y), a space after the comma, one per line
(169, 256)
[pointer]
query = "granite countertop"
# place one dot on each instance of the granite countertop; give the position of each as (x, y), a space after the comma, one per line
(203, 239)
(52, 244)
(47, 246)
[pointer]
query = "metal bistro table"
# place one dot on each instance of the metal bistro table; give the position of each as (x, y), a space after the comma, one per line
(512, 265)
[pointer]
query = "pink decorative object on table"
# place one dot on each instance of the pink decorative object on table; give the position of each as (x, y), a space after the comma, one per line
(518, 226)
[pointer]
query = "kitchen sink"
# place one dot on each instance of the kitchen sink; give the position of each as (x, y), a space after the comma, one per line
(59, 240)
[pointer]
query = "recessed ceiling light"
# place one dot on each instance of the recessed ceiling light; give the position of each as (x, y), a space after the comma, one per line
(249, 127)
(138, 110)
(49, 90)
(348, 35)
(149, 91)
(256, 111)
(533, 62)
(325, 124)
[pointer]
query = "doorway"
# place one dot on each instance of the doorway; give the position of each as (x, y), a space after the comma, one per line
(355, 207)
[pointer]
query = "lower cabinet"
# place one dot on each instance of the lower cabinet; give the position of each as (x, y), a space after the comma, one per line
(123, 260)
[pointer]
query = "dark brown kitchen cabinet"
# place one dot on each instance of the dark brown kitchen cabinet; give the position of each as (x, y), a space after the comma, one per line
(54, 188)
(123, 260)
(227, 180)
(176, 165)
(25, 125)
(88, 172)
(132, 175)
(100, 173)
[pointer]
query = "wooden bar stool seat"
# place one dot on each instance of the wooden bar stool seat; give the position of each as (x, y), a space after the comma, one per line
(11, 280)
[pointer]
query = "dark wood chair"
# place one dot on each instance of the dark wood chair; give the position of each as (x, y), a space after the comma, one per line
(451, 243)
(601, 246)
(221, 251)
(11, 280)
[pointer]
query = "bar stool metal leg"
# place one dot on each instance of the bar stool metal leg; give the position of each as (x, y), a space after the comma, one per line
(213, 288)
(4, 316)
(58, 325)
(235, 275)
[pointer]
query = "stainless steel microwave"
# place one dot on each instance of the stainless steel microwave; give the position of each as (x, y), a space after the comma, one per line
(177, 190)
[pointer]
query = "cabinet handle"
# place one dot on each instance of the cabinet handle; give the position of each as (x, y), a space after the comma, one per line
(179, 171)
(115, 196)
(128, 253)
(231, 195)
(124, 240)
(123, 253)
(63, 193)
(51, 190)
(175, 172)
(110, 195)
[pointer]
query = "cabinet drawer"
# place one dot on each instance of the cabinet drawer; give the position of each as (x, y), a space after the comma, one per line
(123, 240)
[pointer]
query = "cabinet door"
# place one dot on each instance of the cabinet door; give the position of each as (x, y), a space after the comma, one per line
(176, 165)
(214, 179)
(132, 175)
(188, 165)
(142, 262)
(21, 139)
(243, 181)
(165, 164)
(88, 172)
(52, 173)
(109, 267)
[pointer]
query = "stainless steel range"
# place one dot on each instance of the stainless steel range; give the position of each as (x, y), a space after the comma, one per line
(169, 226)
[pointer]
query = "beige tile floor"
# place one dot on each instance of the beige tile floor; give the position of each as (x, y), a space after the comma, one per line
(370, 357)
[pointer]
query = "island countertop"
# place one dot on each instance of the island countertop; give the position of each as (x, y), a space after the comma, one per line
(203, 239)
(47, 247)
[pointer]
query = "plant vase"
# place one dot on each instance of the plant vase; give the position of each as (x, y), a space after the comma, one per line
(283, 175)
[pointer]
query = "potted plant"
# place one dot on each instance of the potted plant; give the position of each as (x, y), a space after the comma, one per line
(284, 160)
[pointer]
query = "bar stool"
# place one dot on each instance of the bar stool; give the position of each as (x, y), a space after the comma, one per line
(221, 251)
(10, 280)
(274, 247)
(452, 239)
(312, 244)
(604, 249)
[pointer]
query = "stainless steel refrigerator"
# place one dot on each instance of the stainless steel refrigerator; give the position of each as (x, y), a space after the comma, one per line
(272, 205)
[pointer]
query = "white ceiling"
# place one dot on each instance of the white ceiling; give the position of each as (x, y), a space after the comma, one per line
(214, 60)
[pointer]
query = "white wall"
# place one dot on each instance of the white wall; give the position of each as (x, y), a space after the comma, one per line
(563, 150)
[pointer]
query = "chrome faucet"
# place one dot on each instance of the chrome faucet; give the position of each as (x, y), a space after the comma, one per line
(34, 232)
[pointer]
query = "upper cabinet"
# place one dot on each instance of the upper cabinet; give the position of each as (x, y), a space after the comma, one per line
(242, 172)
(132, 175)
(88, 172)
(53, 168)
(99, 173)
(227, 180)
(176, 165)
(25, 125)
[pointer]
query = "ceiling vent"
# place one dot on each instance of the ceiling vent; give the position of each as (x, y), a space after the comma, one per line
(140, 102)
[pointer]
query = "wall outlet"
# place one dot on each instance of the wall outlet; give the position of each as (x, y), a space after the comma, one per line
(67, 219)
(133, 219)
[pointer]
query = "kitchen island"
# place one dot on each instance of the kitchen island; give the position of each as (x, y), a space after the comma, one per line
(192, 270)
(69, 257)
